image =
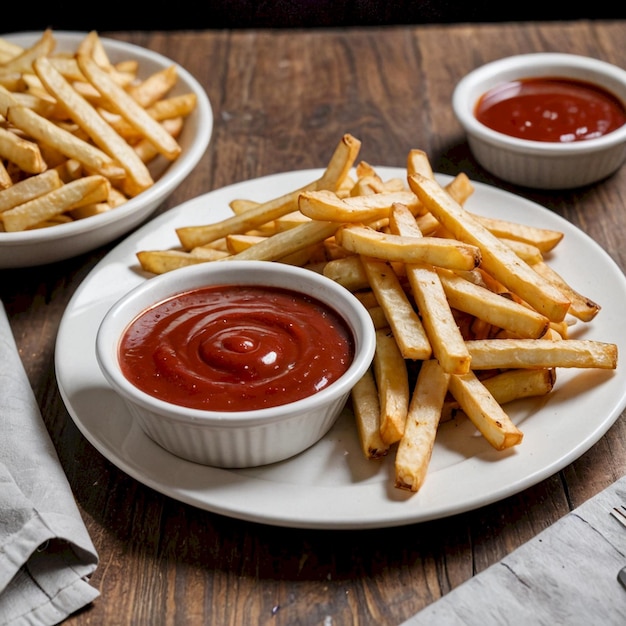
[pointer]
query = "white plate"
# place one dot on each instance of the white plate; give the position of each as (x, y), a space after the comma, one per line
(47, 245)
(331, 485)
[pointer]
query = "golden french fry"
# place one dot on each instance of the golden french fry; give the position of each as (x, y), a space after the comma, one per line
(287, 242)
(497, 257)
(24, 153)
(154, 87)
(347, 271)
(337, 168)
(24, 60)
(510, 385)
(366, 408)
(55, 202)
(435, 251)
(484, 412)
(514, 353)
(402, 318)
(28, 189)
(41, 129)
(542, 238)
(581, 307)
(162, 261)
(139, 178)
(392, 383)
(416, 446)
(8, 50)
(122, 103)
(497, 310)
(326, 205)
(443, 333)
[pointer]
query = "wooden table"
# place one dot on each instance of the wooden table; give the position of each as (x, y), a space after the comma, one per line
(281, 101)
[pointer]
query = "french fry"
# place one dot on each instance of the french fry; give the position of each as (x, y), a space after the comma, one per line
(484, 412)
(392, 383)
(514, 353)
(497, 257)
(435, 251)
(510, 385)
(444, 336)
(366, 408)
(70, 145)
(55, 202)
(542, 238)
(24, 60)
(403, 319)
(325, 205)
(29, 189)
(336, 170)
(416, 446)
(139, 178)
(497, 310)
(22, 152)
(126, 106)
(581, 307)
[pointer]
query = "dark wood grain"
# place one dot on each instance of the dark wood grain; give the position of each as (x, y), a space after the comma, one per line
(281, 100)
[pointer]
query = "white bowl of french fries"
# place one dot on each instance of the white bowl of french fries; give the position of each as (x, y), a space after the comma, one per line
(286, 418)
(564, 163)
(96, 134)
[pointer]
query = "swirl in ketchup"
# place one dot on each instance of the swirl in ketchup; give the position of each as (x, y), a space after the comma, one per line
(236, 348)
(559, 110)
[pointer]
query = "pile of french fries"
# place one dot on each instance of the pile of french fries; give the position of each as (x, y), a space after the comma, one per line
(468, 314)
(77, 132)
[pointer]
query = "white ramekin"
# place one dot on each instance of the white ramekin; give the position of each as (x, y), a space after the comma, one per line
(244, 438)
(538, 164)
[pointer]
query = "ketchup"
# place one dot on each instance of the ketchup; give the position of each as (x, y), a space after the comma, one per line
(556, 109)
(236, 348)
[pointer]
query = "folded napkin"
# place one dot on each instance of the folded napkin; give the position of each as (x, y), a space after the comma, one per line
(567, 574)
(46, 554)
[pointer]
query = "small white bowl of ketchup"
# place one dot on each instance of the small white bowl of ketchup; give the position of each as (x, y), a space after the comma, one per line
(545, 120)
(236, 363)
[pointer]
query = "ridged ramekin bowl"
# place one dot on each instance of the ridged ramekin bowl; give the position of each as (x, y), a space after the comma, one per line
(239, 438)
(539, 164)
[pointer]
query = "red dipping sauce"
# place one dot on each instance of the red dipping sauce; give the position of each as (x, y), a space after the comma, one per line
(560, 110)
(236, 348)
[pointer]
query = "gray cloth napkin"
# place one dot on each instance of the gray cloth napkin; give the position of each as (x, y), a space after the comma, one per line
(46, 554)
(567, 574)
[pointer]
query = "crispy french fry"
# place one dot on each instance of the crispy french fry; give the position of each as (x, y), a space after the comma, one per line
(402, 318)
(510, 385)
(55, 202)
(139, 178)
(392, 383)
(542, 238)
(326, 205)
(581, 307)
(122, 103)
(435, 251)
(497, 257)
(445, 338)
(24, 60)
(28, 189)
(347, 271)
(484, 412)
(514, 353)
(416, 446)
(497, 310)
(366, 408)
(337, 168)
(41, 129)
(162, 261)
(24, 153)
